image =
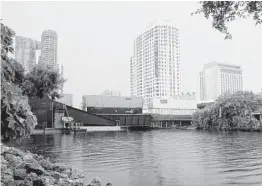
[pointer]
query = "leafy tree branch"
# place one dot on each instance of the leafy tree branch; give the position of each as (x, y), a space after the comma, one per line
(223, 12)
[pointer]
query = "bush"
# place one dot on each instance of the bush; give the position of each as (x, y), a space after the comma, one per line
(229, 111)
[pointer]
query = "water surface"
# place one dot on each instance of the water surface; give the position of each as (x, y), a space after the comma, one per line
(163, 157)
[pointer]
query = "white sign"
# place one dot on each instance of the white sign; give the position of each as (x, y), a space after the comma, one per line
(67, 119)
(131, 111)
(163, 101)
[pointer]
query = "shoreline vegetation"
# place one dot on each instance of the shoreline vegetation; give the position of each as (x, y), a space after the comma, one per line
(24, 168)
(241, 111)
(18, 121)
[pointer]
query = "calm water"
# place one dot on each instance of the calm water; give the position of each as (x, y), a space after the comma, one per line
(160, 157)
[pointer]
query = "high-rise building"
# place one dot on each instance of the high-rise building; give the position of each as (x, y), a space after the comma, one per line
(49, 49)
(155, 65)
(217, 79)
(111, 93)
(25, 52)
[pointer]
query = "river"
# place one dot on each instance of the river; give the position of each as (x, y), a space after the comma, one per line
(160, 157)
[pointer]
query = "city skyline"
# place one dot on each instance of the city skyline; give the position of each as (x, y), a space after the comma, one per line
(112, 33)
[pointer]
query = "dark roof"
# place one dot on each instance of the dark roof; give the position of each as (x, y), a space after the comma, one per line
(86, 112)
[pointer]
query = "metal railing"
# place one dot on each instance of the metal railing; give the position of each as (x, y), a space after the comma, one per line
(169, 111)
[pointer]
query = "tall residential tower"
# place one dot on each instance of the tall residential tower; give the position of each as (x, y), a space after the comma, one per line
(155, 65)
(25, 52)
(218, 78)
(49, 49)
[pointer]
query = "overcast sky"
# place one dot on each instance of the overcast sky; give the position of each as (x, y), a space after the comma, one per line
(95, 40)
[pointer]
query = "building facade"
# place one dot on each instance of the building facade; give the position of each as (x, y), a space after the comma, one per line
(112, 104)
(172, 106)
(155, 65)
(50, 112)
(217, 79)
(49, 49)
(25, 52)
(111, 93)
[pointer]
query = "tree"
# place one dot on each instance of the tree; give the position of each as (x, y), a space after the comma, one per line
(235, 111)
(17, 120)
(42, 81)
(222, 12)
(16, 117)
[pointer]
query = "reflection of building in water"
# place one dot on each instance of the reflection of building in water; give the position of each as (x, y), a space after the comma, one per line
(68, 151)
(145, 166)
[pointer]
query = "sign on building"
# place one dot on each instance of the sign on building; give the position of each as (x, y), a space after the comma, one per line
(163, 101)
(67, 119)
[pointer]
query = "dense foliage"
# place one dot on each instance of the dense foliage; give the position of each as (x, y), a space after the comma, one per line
(230, 111)
(16, 116)
(222, 12)
(42, 81)
(17, 120)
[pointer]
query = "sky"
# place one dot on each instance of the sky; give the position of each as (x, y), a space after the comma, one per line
(95, 41)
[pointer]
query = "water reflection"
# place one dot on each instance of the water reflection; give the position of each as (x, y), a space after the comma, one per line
(159, 157)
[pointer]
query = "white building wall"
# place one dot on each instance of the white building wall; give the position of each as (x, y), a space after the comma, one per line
(112, 101)
(155, 65)
(171, 106)
(171, 103)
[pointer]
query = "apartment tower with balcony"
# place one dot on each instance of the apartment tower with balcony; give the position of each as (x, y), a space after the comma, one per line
(155, 65)
(25, 52)
(49, 49)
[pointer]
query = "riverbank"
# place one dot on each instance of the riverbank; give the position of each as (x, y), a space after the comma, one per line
(241, 129)
(27, 169)
(85, 129)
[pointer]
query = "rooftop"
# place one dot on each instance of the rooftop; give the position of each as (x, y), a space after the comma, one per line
(209, 65)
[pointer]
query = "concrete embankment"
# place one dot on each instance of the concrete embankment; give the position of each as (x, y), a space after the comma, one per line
(88, 129)
(27, 169)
